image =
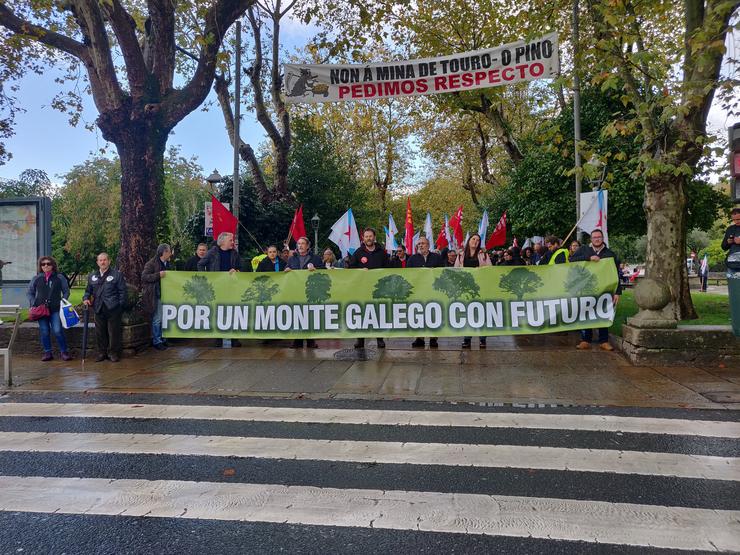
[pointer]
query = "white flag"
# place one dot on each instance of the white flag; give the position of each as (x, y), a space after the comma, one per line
(450, 238)
(467, 237)
(428, 228)
(416, 240)
(344, 234)
(526, 244)
(483, 226)
(593, 212)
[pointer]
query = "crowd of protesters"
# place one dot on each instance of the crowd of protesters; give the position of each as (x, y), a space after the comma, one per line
(106, 291)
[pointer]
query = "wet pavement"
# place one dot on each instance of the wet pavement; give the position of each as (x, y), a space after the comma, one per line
(521, 370)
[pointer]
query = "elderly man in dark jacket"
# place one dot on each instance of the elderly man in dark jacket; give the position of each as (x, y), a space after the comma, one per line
(106, 293)
(595, 252)
(222, 257)
(151, 296)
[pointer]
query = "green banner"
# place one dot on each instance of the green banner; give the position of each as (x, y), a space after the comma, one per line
(415, 302)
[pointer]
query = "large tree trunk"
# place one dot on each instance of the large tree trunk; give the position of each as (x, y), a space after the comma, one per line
(665, 208)
(141, 151)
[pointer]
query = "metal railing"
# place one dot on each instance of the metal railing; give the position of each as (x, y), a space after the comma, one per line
(14, 312)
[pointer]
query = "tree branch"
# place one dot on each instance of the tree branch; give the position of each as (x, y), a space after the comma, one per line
(19, 26)
(124, 28)
(246, 153)
(218, 19)
(162, 40)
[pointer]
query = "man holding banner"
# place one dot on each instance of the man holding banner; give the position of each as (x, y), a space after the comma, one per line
(369, 256)
(595, 252)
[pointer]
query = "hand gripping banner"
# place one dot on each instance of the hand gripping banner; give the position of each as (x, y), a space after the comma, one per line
(518, 61)
(433, 302)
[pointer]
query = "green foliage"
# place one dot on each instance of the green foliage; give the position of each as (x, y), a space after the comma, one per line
(30, 183)
(716, 255)
(262, 290)
(319, 180)
(318, 287)
(392, 287)
(520, 281)
(580, 281)
(697, 240)
(199, 289)
(629, 248)
(457, 284)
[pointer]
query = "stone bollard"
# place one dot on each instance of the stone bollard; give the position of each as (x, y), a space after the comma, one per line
(653, 296)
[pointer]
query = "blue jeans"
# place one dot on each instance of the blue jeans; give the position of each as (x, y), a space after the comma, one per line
(157, 324)
(588, 335)
(46, 326)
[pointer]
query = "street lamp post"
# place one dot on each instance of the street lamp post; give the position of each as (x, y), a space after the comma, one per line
(214, 178)
(315, 225)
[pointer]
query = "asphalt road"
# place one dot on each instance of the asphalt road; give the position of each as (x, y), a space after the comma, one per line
(195, 474)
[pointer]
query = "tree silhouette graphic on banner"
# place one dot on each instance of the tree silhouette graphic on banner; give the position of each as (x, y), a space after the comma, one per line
(199, 289)
(457, 284)
(262, 290)
(318, 287)
(392, 287)
(580, 281)
(520, 281)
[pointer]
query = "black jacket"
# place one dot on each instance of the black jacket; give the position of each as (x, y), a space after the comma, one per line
(587, 251)
(211, 262)
(729, 245)
(267, 265)
(191, 265)
(51, 293)
(433, 261)
(107, 290)
(151, 290)
(363, 258)
(294, 262)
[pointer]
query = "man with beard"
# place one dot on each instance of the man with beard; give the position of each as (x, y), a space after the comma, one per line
(424, 259)
(369, 256)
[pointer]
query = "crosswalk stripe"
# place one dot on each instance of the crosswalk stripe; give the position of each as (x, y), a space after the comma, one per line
(575, 520)
(491, 456)
(549, 421)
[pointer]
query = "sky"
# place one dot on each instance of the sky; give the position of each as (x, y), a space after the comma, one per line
(44, 139)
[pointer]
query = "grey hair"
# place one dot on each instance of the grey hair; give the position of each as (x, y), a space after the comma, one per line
(222, 236)
(162, 248)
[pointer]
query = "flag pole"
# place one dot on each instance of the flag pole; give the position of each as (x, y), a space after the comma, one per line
(593, 200)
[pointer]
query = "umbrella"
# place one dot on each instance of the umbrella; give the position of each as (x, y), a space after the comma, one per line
(85, 321)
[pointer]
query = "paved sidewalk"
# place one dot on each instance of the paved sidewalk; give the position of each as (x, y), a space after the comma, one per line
(528, 369)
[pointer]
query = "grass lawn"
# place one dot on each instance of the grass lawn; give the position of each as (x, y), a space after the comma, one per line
(712, 309)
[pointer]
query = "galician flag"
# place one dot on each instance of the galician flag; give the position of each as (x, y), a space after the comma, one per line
(704, 269)
(428, 228)
(344, 234)
(390, 235)
(390, 241)
(483, 225)
(417, 236)
(594, 210)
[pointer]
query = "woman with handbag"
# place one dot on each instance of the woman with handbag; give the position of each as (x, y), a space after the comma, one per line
(45, 294)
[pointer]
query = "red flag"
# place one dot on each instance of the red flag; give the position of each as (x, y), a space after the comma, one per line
(223, 220)
(498, 237)
(456, 226)
(297, 227)
(408, 239)
(442, 237)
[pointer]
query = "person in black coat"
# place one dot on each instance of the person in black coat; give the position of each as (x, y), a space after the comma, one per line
(106, 293)
(191, 265)
(222, 257)
(370, 256)
(272, 262)
(48, 288)
(595, 252)
(424, 258)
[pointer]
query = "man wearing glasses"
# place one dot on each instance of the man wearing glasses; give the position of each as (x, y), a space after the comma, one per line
(399, 259)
